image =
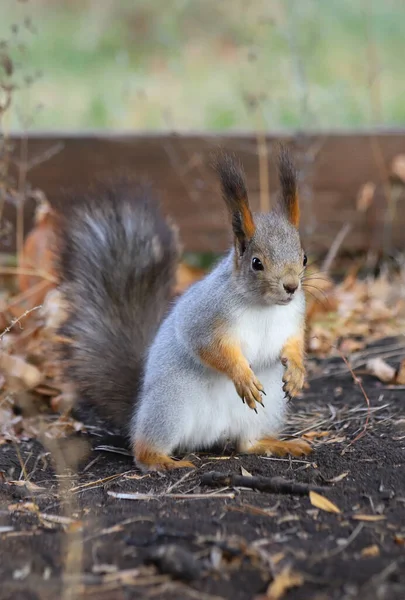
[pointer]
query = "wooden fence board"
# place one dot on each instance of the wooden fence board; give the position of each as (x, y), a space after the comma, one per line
(333, 166)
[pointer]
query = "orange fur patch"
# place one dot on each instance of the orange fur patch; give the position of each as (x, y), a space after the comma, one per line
(249, 226)
(224, 355)
(293, 350)
(294, 213)
(146, 457)
(280, 448)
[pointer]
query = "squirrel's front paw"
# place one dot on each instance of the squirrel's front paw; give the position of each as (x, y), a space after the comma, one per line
(249, 389)
(293, 378)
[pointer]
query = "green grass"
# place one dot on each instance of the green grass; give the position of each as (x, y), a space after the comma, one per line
(208, 64)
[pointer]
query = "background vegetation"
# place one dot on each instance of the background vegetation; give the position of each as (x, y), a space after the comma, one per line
(206, 64)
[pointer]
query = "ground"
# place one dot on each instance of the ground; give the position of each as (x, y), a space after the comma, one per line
(237, 541)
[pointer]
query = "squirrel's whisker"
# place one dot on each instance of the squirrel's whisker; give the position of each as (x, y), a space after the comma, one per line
(324, 301)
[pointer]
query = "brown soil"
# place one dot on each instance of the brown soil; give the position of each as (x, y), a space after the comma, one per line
(217, 546)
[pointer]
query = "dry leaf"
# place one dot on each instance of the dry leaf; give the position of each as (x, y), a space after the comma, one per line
(17, 368)
(245, 472)
(359, 517)
(365, 196)
(323, 503)
(38, 256)
(284, 581)
(380, 369)
(371, 551)
(54, 310)
(32, 487)
(398, 166)
(349, 345)
(23, 506)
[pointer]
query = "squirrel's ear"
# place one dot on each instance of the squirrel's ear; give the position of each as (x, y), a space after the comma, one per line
(234, 192)
(289, 192)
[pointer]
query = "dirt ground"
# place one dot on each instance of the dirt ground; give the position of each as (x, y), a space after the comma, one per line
(217, 542)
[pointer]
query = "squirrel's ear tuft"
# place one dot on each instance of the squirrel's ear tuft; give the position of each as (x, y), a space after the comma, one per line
(288, 182)
(234, 192)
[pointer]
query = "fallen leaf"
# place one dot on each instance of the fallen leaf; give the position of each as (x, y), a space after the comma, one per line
(38, 256)
(380, 369)
(32, 487)
(349, 345)
(284, 581)
(245, 472)
(399, 539)
(17, 368)
(359, 517)
(323, 503)
(23, 506)
(54, 310)
(371, 551)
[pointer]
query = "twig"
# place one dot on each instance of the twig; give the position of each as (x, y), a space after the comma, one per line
(44, 156)
(17, 320)
(33, 272)
(90, 484)
(22, 177)
(334, 249)
(341, 548)
(358, 382)
(273, 485)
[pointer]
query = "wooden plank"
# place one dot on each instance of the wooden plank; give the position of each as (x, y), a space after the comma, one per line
(333, 166)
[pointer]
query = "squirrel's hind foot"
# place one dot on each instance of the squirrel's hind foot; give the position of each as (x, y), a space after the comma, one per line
(276, 447)
(148, 459)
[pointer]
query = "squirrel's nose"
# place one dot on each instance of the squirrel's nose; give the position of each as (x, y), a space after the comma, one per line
(290, 288)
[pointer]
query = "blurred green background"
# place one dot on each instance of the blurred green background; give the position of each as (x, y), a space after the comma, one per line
(204, 64)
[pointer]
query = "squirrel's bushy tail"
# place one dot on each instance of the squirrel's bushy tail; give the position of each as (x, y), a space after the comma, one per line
(117, 257)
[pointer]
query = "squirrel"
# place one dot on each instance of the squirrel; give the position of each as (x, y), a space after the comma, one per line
(185, 377)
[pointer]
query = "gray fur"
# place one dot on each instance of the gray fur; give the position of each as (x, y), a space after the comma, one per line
(278, 246)
(186, 405)
(117, 257)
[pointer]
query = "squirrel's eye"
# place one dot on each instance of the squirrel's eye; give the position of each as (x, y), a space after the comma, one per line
(257, 264)
(305, 260)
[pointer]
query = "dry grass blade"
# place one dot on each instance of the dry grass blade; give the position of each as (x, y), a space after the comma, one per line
(273, 485)
(371, 518)
(18, 321)
(91, 484)
(367, 399)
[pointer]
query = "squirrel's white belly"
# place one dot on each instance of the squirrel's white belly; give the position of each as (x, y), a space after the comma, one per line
(216, 412)
(263, 331)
